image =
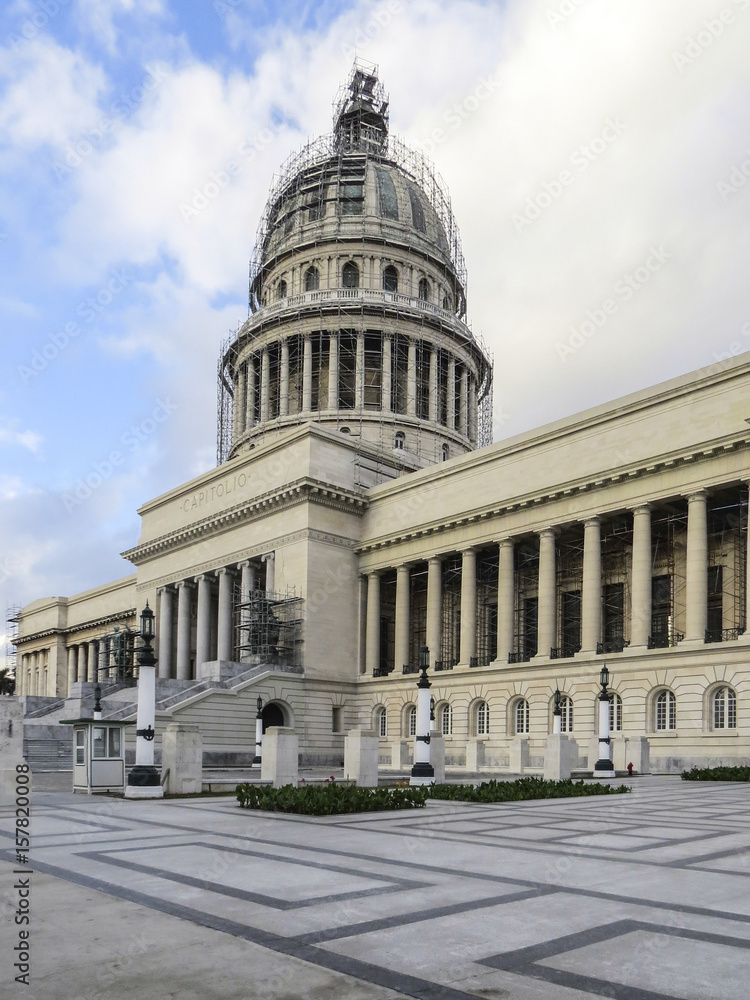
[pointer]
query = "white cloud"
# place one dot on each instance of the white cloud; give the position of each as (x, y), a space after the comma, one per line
(97, 17)
(27, 439)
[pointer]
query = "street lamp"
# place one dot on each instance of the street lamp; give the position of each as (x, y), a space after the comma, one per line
(258, 733)
(557, 713)
(603, 767)
(144, 781)
(423, 772)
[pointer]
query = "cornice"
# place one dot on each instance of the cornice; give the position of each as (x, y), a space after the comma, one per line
(565, 490)
(83, 627)
(305, 490)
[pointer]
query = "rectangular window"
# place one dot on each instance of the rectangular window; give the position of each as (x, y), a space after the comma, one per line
(530, 626)
(715, 606)
(114, 743)
(351, 195)
(661, 607)
(80, 746)
(100, 741)
(570, 622)
(337, 719)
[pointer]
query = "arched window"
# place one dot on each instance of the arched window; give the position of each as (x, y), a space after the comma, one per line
(482, 717)
(447, 304)
(446, 720)
(665, 711)
(521, 717)
(615, 713)
(445, 452)
(350, 275)
(566, 719)
(312, 279)
(411, 721)
(381, 722)
(724, 704)
(424, 289)
(390, 279)
(399, 441)
(281, 290)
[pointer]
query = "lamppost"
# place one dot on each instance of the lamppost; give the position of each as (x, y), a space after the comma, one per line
(423, 772)
(258, 733)
(603, 767)
(144, 781)
(557, 713)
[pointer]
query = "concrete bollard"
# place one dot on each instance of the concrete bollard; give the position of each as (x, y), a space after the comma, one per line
(437, 756)
(182, 754)
(361, 757)
(280, 756)
(474, 755)
(399, 755)
(519, 755)
(11, 747)
(560, 756)
(638, 750)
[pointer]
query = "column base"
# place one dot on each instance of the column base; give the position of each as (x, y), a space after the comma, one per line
(603, 769)
(423, 773)
(421, 781)
(144, 782)
(256, 762)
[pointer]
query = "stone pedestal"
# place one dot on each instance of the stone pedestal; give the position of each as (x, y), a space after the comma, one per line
(182, 754)
(280, 756)
(361, 757)
(400, 755)
(11, 747)
(637, 751)
(560, 757)
(474, 755)
(437, 756)
(519, 755)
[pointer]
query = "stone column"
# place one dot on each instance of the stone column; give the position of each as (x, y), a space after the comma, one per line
(224, 645)
(411, 379)
(640, 611)
(251, 390)
(241, 403)
(203, 624)
(506, 598)
(433, 408)
(434, 607)
(462, 401)
(372, 633)
(247, 585)
(468, 605)
(91, 667)
(696, 595)
(21, 676)
(265, 374)
(81, 672)
(72, 666)
(451, 394)
(270, 560)
(359, 373)
(547, 593)
(333, 372)
(184, 600)
(591, 597)
(387, 373)
(402, 618)
(166, 597)
(284, 379)
(307, 362)
(745, 637)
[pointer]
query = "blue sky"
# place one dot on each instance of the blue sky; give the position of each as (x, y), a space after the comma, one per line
(593, 151)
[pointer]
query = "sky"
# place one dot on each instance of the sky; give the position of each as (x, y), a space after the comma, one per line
(597, 155)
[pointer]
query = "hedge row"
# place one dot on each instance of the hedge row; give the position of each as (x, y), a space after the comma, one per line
(522, 789)
(717, 774)
(332, 798)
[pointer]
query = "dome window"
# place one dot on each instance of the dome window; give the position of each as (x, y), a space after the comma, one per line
(352, 196)
(387, 192)
(281, 290)
(312, 279)
(447, 304)
(424, 289)
(446, 452)
(417, 212)
(399, 441)
(390, 279)
(350, 275)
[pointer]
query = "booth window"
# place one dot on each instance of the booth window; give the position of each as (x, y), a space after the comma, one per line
(80, 746)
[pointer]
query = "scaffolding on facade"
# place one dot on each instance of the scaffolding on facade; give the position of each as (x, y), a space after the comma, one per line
(616, 558)
(116, 657)
(569, 572)
(267, 627)
(668, 580)
(727, 564)
(12, 621)
(526, 625)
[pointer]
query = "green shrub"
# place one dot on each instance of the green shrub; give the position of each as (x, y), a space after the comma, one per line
(521, 789)
(717, 774)
(329, 799)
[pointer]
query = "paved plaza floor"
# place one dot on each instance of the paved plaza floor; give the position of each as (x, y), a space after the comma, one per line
(635, 897)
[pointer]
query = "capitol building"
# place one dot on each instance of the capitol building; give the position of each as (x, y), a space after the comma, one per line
(359, 512)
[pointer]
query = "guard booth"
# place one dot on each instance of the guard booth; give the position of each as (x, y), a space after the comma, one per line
(98, 755)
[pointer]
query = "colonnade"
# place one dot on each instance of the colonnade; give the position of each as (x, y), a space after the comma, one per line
(32, 675)
(252, 394)
(547, 592)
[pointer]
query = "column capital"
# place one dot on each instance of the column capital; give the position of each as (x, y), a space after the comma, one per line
(642, 508)
(222, 571)
(203, 576)
(546, 532)
(696, 495)
(268, 557)
(469, 550)
(373, 572)
(184, 584)
(505, 542)
(245, 564)
(436, 558)
(593, 521)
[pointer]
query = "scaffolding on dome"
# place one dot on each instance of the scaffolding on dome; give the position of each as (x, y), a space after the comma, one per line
(12, 621)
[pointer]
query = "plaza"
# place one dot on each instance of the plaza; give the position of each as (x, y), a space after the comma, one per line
(636, 897)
